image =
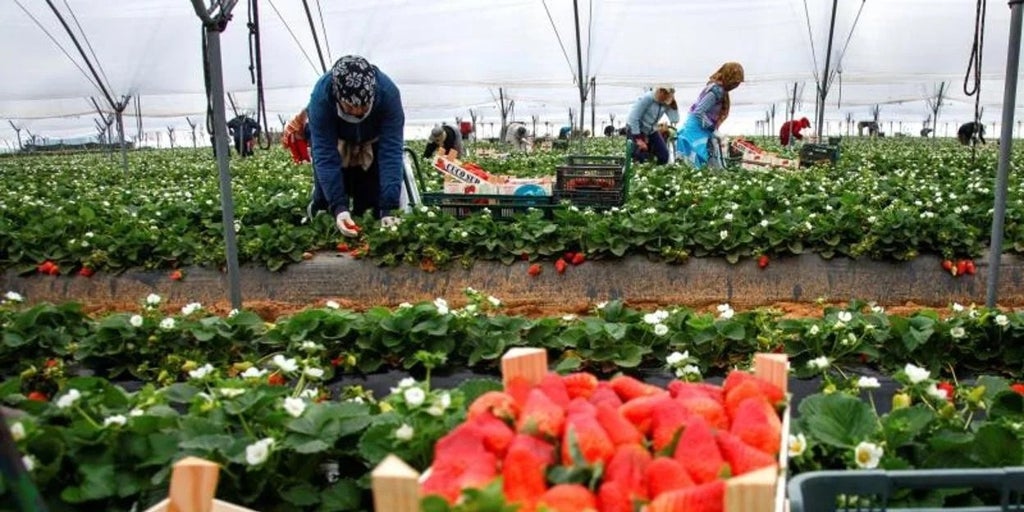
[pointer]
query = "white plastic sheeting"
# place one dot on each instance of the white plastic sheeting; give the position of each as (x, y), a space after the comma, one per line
(449, 56)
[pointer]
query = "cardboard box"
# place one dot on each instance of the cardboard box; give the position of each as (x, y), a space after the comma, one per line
(459, 172)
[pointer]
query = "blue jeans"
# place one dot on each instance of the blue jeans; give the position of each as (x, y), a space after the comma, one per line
(656, 146)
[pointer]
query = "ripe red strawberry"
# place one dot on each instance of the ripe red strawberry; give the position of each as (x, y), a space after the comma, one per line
(1017, 388)
(45, 267)
(580, 384)
(948, 388)
(177, 275)
(969, 267)
(762, 261)
(756, 424)
(554, 387)
(947, 265)
(50, 363)
(525, 256)
(619, 429)
(578, 258)
(707, 408)
(534, 270)
(629, 388)
(276, 379)
(581, 406)
(523, 475)
(628, 468)
(683, 389)
(352, 225)
(343, 247)
(496, 434)
(585, 433)
(961, 267)
(742, 458)
(568, 498)
(709, 497)
(501, 405)
(612, 497)
(455, 469)
(542, 450)
(769, 390)
(604, 394)
(666, 474)
(568, 256)
(698, 452)
(560, 266)
(38, 396)
(541, 416)
(667, 419)
(86, 272)
(639, 411)
(519, 389)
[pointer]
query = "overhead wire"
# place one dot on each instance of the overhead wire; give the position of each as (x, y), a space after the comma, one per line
(974, 64)
(590, 34)
(87, 43)
(294, 37)
(316, 38)
(59, 46)
(323, 29)
(560, 43)
(810, 37)
(256, 64)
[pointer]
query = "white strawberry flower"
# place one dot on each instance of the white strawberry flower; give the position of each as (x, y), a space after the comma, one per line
(441, 305)
(957, 332)
(675, 358)
(818, 363)
(332, 305)
(190, 308)
(414, 396)
(309, 393)
(294, 406)
(313, 372)
(495, 302)
(258, 452)
(867, 455)
(231, 392)
(1002, 320)
(136, 412)
(310, 346)
(201, 372)
(916, 374)
(167, 324)
(723, 234)
(957, 307)
(935, 392)
(797, 445)
(814, 330)
(405, 432)
(29, 462)
(285, 364)
(845, 316)
(68, 399)
(17, 431)
(135, 320)
(153, 300)
(13, 297)
(660, 329)
(253, 372)
(868, 383)
(117, 419)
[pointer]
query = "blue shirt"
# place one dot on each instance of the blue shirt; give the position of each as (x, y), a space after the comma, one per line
(385, 121)
(645, 115)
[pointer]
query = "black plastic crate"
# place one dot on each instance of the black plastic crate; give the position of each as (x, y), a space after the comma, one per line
(592, 198)
(811, 154)
(501, 207)
(596, 181)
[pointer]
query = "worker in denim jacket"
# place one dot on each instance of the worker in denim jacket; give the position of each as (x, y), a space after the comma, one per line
(356, 125)
(643, 121)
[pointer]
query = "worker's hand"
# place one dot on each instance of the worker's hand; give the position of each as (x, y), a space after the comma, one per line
(346, 225)
(389, 221)
(641, 144)
(673, 105)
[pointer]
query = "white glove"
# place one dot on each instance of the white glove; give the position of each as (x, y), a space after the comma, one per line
(346, 225)
(389, 221)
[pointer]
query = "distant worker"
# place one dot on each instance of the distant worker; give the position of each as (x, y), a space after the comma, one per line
(295, 137)
(971, 134)
(643, 120)
(609, 131)
(519, 137)
(872, 127)
(466, 130)
(565, 132)
(699, 141)
(445, 138)
(791, 130)
(926, 132)
(244, 130)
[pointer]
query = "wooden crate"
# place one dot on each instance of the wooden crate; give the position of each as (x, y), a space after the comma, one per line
(396, 485)
(193, 485)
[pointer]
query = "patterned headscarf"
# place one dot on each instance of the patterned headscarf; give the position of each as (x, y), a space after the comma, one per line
(354, 81)
(729, 76)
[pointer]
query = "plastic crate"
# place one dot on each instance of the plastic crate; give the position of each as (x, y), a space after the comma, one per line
(818, 491)
(503, 207)
(811, 154)
(592, 181)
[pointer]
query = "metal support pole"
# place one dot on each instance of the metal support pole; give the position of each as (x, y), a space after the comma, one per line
(593, 107)
(579, 64)
(221, 141)
(1005, 144)
(120, 136)
(823, 86)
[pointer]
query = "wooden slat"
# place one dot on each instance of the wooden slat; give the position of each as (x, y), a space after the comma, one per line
(396, 486)
(528, 363)
(223, 506)
(773, 368)
(752, 492)
(193, 485)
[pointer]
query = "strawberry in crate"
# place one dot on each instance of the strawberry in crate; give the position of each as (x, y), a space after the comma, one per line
(576, 443)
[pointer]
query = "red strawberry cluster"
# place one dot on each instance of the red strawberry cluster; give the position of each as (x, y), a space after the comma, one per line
(959, 267)
(561, 264)
(660, 450)
(49, 268)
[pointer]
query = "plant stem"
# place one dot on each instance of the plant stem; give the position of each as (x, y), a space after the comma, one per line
(87, 417)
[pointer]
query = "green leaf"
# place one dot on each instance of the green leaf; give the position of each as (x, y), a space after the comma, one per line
(98, 482)
(180, 392)
(301, 495)
(208, 443)
(837, 419)
(474, 388)
(1007, 405)
(997, 446)
(903, 425)
(341, 495)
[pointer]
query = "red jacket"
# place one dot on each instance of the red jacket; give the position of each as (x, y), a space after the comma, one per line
(793, 127)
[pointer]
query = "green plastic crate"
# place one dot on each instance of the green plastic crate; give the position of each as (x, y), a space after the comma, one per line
(818, 491)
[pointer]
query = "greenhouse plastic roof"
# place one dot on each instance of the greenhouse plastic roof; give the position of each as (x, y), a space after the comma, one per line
(449, 56)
